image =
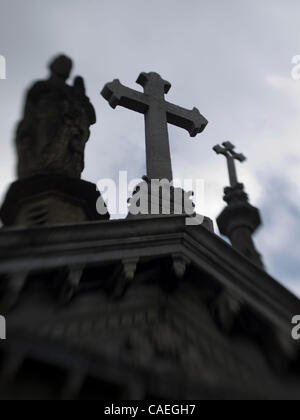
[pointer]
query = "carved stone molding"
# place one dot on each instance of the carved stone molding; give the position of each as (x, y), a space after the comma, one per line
(180, 264)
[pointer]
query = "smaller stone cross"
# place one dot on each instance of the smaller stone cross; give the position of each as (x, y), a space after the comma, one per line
(228, 151)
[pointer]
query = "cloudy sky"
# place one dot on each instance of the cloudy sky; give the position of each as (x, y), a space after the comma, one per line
(232, 59)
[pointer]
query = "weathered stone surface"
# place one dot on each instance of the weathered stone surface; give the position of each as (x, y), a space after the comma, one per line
(141, 308)
(153, 198)
(176, 342)
(50, 142)
(56, 124)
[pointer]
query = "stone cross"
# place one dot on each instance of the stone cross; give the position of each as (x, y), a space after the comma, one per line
(158, 113)
(228, 151)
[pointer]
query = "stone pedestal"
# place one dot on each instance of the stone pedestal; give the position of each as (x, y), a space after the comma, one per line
(50, 199)
(239, 221)
(152, 198)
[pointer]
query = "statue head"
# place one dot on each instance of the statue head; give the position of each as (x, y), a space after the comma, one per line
(61, 67)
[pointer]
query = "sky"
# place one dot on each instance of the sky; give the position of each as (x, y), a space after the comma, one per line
(232, 60)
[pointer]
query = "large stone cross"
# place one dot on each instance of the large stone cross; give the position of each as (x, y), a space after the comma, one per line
(228, 151)
(158, 113)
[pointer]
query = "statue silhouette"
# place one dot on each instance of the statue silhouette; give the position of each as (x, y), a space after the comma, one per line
(51, 137)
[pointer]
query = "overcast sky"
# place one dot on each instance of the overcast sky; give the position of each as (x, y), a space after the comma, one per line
(231, 59)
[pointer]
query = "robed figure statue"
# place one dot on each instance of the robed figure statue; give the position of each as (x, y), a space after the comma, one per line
(51, 137)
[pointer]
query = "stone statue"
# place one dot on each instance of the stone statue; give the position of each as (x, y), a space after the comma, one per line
(51, 137)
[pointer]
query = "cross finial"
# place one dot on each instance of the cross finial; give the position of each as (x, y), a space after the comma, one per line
(158, 114)
(228, 151)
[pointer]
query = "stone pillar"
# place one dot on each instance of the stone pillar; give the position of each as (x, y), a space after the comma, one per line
(239, 221)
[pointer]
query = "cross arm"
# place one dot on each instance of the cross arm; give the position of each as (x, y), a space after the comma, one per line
(228, 151)
(239, 156)
(117, 94)
(230, 148)
(220, 150)
(190, 120)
